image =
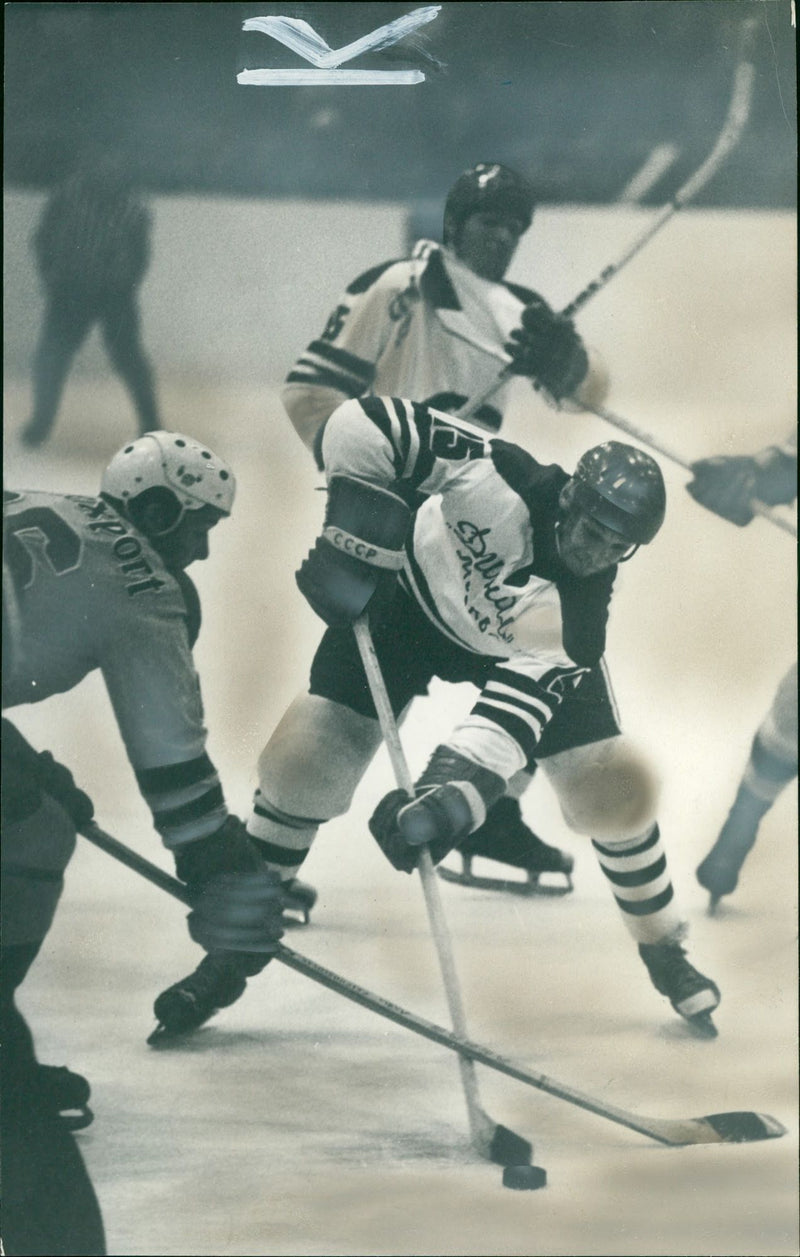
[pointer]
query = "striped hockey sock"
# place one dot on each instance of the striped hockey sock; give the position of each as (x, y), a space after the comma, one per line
(639, 877)
(284, 840)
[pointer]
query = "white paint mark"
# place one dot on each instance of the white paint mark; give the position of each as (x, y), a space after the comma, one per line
(317, 78)
(298, 35)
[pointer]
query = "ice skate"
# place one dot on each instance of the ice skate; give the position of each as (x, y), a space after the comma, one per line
(719, 872)
(299, 899)
(68, 1093)
(505, 838)
(691, 994)
(217, 982)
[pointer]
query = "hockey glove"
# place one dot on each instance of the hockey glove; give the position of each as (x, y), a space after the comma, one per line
(356, 560)
(237, 902)
(57, 781)
(728, 486)
(548, 349)
(451, 800)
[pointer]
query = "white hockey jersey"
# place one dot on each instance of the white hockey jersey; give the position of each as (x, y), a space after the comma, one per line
(89, 592)
(414, 328)
(482, 563)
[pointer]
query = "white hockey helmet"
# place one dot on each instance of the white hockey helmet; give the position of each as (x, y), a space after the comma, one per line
(168, 460)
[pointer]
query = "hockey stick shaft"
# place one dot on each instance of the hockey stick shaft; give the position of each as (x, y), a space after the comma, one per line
(732, 128)
(735, 122)
(478, 1120)
(667, 1131)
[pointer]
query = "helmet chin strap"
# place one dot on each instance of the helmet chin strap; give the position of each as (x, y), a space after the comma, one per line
(626, 557)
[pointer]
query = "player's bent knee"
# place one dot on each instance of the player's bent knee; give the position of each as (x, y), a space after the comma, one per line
(316, 757)
(607, 790)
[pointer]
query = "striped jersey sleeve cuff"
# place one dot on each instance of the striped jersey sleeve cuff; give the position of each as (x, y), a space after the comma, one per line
(186, 800)
(520, 705)
(325, 365)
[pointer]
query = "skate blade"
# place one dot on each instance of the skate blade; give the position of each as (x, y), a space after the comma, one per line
(295, 918)
(703, 1026)
(162, 1036)
(527, 889)
(78, 1120)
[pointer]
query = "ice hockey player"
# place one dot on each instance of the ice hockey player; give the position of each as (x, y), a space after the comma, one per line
(728, 486)
(99, 582)
(476, 563)
(439, 325)
(444, 321)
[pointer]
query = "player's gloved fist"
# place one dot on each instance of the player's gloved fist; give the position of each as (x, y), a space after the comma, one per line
(56, 780)
(241, 912)
(451, 800)
(237, 903)
(549, 350)
(436, 817)
(358, 556)
(725, 486)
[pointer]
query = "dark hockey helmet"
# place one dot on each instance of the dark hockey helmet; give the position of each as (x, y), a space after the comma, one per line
(621, 487)
(487, 186)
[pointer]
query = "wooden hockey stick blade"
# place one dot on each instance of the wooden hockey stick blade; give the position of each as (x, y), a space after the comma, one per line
(735, 1127)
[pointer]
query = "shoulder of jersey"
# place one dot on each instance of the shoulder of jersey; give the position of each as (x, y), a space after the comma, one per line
(366, 280)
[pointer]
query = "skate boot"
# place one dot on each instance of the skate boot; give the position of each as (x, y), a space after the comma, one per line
(217, 982)
(67, 1093)
(691, 994)
(299, 899)
(505, 837)
(719, 872)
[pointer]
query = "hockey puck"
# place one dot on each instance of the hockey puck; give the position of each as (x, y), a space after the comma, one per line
(524, 1178)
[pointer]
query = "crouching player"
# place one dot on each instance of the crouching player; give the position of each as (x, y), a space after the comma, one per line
(478, 564)
(99, 582)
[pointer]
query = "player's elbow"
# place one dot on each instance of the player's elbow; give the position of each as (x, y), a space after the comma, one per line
(308, 408)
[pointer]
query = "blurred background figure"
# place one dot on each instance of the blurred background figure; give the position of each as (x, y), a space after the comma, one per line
(92, 250)
(728, 486)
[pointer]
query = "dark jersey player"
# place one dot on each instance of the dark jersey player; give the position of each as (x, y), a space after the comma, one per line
(98, 582)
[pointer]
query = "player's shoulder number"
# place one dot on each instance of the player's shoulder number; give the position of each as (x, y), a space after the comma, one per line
(39, 538)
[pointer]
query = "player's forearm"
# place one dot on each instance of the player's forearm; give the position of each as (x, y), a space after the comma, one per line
(308, 408)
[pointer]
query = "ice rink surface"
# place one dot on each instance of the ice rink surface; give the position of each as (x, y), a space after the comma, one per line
(298, 1124)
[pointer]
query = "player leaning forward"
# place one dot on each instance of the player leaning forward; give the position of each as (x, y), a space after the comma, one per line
(477, 564)
(436, 326)
(99, 582)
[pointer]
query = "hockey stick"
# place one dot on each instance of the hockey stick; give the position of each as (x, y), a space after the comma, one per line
(735, 122)
(610, 416)
(496, 1143)
(735, 1127)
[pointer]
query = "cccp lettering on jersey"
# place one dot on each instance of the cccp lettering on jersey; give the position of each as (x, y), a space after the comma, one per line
(351, 545)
